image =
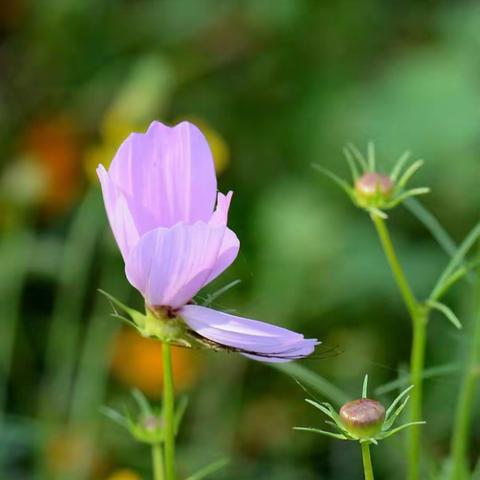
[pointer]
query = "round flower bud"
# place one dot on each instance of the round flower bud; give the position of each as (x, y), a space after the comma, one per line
(363, 418)
(152, 423)
(373, 186)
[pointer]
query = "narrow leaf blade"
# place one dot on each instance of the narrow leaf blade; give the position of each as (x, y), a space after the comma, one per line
(209, 469)
(313, 380)
(399, 166)
(339, 181)
(448, 312)
(338, 436)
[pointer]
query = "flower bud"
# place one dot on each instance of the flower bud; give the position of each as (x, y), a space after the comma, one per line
(152, 423)
(363, 418)
(372, 188)
(148, 429)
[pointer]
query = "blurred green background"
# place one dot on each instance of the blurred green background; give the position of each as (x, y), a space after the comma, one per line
(275, 85)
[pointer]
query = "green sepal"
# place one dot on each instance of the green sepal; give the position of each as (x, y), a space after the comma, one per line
(151, 324)
(389, 433)
(397, 400)
(147, 425)
(338, 436)
(137, 319)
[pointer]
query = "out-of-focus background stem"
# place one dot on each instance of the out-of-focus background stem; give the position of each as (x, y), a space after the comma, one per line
(466, 400)
(419, 320)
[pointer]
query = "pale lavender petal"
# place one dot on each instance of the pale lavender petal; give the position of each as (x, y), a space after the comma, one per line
(227, 254)
(231, 244)
(167, 176)
(220, 215)
(119, 215)
(170, 265)
(262, 341)
(304, 350)
(237, 332)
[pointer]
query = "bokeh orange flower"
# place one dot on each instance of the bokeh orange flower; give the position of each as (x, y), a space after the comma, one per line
(137, 362)
(11, 14)
(53, 145)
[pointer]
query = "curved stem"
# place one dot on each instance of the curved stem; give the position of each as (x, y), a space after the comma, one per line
(419, 318)
(466, 399)
(367, 461)
(168, 412)
(157, 461)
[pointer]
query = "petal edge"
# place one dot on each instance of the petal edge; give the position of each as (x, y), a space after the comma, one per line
(255, 339)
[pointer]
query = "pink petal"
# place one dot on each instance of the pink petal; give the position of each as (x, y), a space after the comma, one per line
(227, 254)
(220, 215)
(167, 176)
(119, 215)
(170, 265)
(231, 244)
(258, 340)
(304, 350)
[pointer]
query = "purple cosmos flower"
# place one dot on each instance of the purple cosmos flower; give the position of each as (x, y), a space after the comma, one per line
(160, 193)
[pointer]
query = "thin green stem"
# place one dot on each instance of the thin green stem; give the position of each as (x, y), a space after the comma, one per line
(417, 363)
(463, 415)
(157, 461)
(419, 318)
(168, 412)
(367, 461)
(402, 282)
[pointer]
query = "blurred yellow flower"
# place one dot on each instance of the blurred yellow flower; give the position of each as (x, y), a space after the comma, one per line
(67, 452)
(104, 151)
(124, 474)
(137, 362)
(143, 95)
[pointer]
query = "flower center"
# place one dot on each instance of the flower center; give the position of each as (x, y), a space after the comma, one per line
(163, 323)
